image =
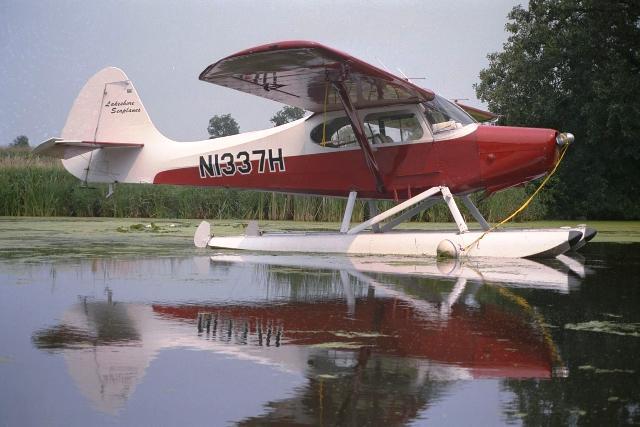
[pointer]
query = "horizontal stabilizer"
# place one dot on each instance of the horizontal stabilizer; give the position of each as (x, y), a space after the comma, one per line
(66, 149)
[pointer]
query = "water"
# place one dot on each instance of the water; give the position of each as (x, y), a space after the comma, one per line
(189, 337)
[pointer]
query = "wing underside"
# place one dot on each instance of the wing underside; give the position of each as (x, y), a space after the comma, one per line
(300, 74)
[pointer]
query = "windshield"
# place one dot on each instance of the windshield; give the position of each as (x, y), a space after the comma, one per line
(443, 115)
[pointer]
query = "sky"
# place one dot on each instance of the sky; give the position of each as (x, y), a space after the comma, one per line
(50, 48)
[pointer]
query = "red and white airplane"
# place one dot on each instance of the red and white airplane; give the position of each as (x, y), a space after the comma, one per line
(372, 135)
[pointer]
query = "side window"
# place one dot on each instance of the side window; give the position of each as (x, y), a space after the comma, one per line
(334, 133)
(392, 126)
(380, 128)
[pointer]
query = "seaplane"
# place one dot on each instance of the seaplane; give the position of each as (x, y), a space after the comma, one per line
(371, 135)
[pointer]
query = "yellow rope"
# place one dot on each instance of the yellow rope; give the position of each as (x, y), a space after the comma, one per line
(537, 317)
(324, 115)
(526, 203)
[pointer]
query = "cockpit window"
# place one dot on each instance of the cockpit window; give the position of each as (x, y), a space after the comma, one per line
(380, 128)
(444, 115)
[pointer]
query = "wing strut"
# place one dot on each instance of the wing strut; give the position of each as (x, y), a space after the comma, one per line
(358, 130)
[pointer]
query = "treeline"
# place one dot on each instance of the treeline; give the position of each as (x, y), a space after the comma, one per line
(575, 66)
(39, 186)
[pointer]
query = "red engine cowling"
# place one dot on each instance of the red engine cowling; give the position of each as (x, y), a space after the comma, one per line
(511, 155)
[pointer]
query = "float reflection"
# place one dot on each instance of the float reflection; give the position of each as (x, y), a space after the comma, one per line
(376, 339)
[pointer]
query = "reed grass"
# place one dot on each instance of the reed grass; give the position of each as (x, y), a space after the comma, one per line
(39, 186)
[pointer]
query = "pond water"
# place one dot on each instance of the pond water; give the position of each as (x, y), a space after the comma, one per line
(146, 330)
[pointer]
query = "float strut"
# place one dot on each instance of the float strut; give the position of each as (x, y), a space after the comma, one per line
(457, 216)
(396, 209)
(373, 211)
(415, 200)
(346, 219)
(476, 213)
(410, 214)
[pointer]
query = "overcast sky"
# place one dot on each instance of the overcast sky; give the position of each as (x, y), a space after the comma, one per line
(50, 48)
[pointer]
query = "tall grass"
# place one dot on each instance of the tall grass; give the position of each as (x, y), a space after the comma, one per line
(39, 186)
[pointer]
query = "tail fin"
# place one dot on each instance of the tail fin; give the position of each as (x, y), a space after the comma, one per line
(108, 109)
(107, 113)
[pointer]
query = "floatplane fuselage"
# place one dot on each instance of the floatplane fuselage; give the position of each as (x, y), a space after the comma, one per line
(370, 135)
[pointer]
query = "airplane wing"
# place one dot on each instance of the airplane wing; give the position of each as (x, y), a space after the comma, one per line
(476, 113)
(299, 73)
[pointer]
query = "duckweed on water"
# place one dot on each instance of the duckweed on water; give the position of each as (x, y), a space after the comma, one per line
(615, 316)
(344, 334)
(605, 371)
(626, 329)
(339, 345)
(44, 239)
(327, 377)
(152, 227)
(291, 270)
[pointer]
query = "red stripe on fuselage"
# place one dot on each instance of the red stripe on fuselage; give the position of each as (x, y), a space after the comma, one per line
(467, 164)
(414, 166)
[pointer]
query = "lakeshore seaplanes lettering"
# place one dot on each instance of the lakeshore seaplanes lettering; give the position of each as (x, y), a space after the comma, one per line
(229, 164)
(122, 107)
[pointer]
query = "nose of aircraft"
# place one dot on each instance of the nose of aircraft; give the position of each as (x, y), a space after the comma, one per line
(511, 155)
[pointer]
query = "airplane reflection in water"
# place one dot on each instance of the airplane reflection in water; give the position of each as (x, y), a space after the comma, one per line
(359, 329)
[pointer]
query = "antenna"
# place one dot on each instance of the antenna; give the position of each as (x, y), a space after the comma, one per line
(409, 78)
(383, 66)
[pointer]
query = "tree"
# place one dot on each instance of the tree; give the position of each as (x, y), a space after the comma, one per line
(575, 66)
(287, 114)
(20, 142)
(223, 125)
